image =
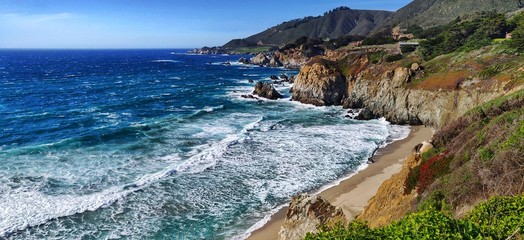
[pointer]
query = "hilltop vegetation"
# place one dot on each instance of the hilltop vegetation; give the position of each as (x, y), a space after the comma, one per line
(469, 34)
(430, 13)
(333, 24)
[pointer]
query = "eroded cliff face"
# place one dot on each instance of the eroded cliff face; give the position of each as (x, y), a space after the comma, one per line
(320, 85)
(390, 98)
(384, 90)
(391, 202)
(293, 58)
(307, 213)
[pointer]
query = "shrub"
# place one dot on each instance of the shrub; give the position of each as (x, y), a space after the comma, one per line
(375, 57)
(393, 58)
(431, 170)
(466, 35)
(378, 40)
(408, 48)
(499, 218)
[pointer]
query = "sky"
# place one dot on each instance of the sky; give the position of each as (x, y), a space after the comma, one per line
(153, 23)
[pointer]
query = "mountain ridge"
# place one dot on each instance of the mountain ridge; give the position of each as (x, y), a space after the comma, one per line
(430, 13)
(333, 24)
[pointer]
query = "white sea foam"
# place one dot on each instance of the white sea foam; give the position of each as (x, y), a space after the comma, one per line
(165, 61)
(22, 209)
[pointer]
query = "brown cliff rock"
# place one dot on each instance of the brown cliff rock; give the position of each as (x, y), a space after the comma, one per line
(391, 203)
(259, 59)
(305, 214)
(319, 84)
(383, 91)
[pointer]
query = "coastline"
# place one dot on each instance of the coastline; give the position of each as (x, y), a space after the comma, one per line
(353, 193)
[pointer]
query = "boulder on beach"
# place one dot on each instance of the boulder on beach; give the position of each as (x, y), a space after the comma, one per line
(266, 90)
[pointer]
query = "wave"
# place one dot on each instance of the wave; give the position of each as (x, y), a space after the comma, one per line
(21, 209)
(165, 61)
(206, 110)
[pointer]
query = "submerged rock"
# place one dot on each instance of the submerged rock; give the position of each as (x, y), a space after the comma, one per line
(243, 60)
(266, 90)
(305, 214)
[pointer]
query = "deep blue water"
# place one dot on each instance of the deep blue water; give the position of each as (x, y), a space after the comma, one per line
(158, 144)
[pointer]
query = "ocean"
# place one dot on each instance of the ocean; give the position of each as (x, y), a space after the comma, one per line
(159, 144)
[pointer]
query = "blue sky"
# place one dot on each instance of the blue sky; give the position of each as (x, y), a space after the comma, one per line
(153, 23)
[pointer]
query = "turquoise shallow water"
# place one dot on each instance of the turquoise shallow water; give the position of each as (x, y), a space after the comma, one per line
(158, 144)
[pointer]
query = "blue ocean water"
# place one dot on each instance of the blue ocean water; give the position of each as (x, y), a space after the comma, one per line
(158, 144)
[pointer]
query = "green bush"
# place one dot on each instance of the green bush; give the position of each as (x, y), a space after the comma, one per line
(464, 35)
(499, 218)
(375, 57)
(393, 58)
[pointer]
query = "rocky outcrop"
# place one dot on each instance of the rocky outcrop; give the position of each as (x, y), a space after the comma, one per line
(275, 62)
(320, 85)
(260, 59)
(266, 90)
(292, 58)
(305, 214)
(391, 203)
(383, 92)
(390, 99)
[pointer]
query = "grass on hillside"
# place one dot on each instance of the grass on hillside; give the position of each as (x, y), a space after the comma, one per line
(499, 218)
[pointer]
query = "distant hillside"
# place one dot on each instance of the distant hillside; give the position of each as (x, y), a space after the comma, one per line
(336, 23)
(428, 13)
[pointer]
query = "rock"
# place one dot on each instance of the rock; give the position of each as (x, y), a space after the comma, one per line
(266, 90)
(366, 114)
(305, 214)
(320, 85)
(260, 59)
(284, 77)
(273, 77)
(226, 64)
(248, 96)
(243, 60)
(275, 62)
(415, 67)
(292, 79)
(250, 81)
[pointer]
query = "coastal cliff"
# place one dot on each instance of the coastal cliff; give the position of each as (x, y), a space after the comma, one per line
(393, 91)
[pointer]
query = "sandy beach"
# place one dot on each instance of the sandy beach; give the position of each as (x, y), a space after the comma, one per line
(353, 193)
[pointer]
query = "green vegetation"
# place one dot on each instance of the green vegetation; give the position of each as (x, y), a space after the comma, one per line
(464, 35)
(375, 57)
(486, 152)
(517, 40)
(378, 40)
(341, 42)
(499, 218)
(393, 58)
(252, 50)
